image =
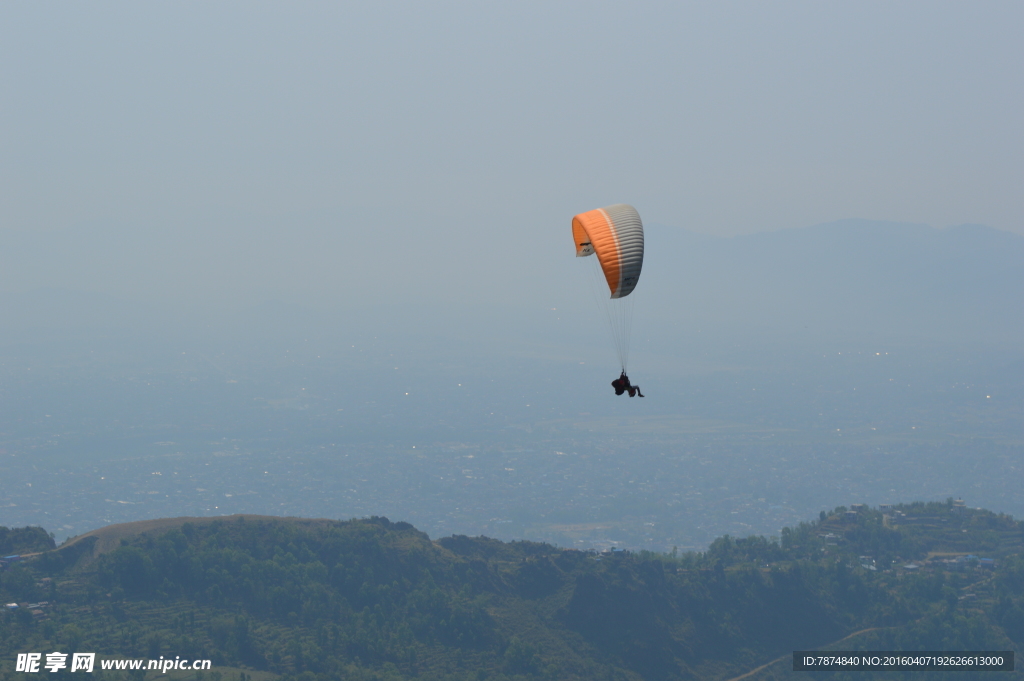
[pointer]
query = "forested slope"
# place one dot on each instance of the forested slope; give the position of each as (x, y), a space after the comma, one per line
(372, 599)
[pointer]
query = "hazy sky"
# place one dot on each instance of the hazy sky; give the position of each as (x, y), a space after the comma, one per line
(325, 151)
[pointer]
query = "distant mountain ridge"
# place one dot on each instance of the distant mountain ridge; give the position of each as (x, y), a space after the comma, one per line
(847, 277)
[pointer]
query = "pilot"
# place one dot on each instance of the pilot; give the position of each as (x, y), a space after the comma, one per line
(621, 385)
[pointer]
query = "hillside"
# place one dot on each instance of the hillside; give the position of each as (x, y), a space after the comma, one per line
(24, 540)
(373, 599)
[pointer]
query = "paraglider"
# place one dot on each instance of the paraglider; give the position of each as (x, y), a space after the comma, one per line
(621, 385)
(615, 235)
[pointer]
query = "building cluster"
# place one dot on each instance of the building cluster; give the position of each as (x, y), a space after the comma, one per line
(36, 610)
(963, 563)
(892, 516)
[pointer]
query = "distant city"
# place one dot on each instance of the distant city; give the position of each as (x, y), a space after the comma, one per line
(190, 441)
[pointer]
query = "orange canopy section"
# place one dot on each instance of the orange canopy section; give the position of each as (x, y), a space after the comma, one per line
(616, 236)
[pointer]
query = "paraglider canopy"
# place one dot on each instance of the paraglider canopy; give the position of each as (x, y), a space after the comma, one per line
(615, 236)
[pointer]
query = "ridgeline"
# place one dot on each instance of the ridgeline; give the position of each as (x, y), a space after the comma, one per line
(267, 598)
